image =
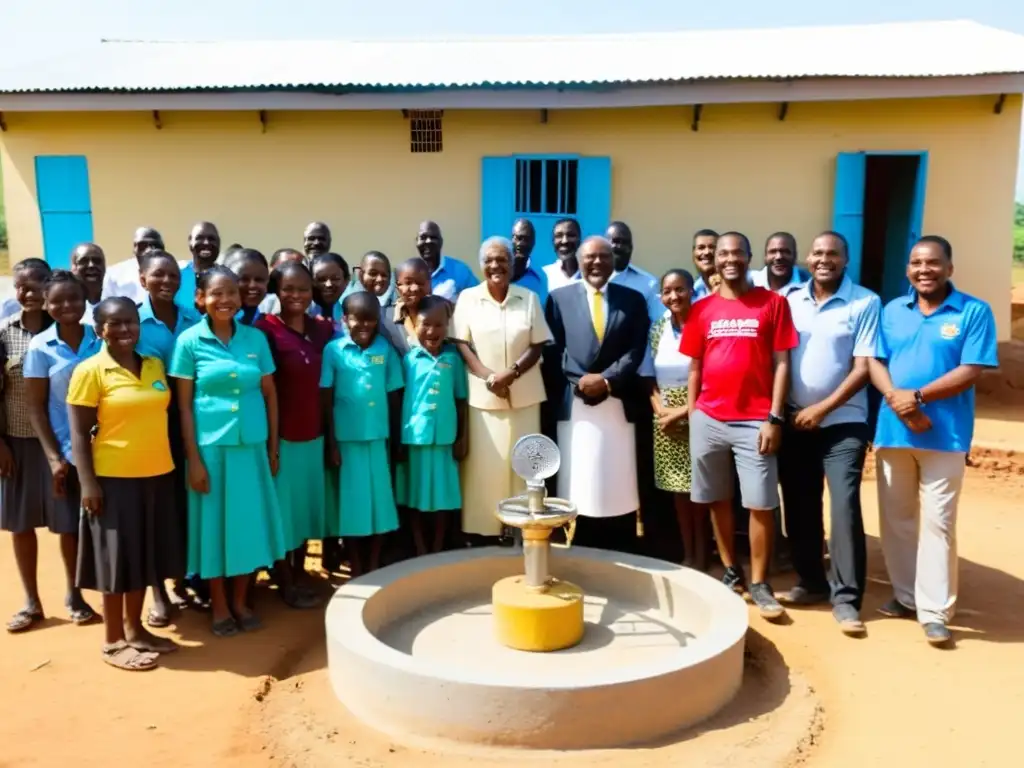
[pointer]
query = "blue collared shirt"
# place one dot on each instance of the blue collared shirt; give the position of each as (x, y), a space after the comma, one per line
(360, 380)
(49, 357)
(451, 278)
(759, 278)
(9, 307)
(228, 396)
(432, 387)
(535, 280)
(155, 338)
(920, 349)
(644, 283)
(701, 290)
(832, 334)
(186, 295)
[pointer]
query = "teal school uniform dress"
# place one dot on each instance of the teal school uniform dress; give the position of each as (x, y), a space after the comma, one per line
(361, 380)
(236, 528)
(428, 480)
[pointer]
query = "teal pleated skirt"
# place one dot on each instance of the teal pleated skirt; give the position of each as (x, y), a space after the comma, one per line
(429, 480)
(236, 528)
(363, 500)
(301, 491)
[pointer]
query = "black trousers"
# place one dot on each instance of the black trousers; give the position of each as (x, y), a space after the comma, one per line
(617, 534)
(807, 460)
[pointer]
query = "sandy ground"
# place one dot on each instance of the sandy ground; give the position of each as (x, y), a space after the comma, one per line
(811, 696)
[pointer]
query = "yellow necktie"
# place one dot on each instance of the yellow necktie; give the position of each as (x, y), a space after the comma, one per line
(598, 315)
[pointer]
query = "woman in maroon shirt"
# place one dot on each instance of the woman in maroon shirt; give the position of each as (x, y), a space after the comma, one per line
(297, 341)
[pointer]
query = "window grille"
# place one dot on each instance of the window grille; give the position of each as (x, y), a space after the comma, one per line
(546, 186)
(425, 134)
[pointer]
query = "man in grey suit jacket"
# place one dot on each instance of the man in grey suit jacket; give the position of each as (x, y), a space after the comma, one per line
(593, 369)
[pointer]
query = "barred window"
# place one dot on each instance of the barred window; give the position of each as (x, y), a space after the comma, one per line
(546, 186)
(425, 134)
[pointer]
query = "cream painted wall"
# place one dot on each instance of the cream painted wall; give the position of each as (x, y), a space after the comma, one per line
(743, 170)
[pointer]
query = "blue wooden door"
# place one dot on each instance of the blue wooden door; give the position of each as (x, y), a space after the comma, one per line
(848, 206)
(544, 189)
(65, 205)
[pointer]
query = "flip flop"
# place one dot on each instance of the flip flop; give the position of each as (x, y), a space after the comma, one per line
(225, 628)
(250, 623)
(158, 645)
(82, 616)
(157, 620)
(123, 656)
(24, 620)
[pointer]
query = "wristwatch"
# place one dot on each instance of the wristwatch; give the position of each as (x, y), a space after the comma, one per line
(775, 421)
(516, 370)
(918, 397)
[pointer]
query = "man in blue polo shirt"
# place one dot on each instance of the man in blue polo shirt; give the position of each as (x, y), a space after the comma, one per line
(935, 343)
(826, 433)
(704, 244)
(204, 245)
(628, 274)
(448, 277)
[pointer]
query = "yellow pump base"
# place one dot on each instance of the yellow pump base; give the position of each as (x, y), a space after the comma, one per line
(528, 620)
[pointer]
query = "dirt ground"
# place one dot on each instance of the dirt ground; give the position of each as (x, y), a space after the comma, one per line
(810, 696)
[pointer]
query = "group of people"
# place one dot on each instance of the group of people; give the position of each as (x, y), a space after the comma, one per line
(198, 422)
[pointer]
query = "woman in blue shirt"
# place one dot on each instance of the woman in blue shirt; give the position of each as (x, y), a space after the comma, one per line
(330, 280)
(228, 401)
(361, 384)
(49, 362)
(163, 317)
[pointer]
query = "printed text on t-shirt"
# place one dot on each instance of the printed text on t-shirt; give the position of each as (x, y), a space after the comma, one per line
(726, 329)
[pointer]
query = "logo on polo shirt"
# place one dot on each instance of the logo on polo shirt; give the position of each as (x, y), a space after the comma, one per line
(743, 328)
(376, 359)
(159, 386)
(949, 330)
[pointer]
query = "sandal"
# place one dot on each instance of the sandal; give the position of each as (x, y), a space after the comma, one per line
(123, 656)
(82, 616)
(225, 628)
(24, 620)
(157, 645)
(157, 620)
(250, 623)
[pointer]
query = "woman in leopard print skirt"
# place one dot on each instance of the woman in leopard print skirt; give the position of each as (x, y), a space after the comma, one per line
(671, 426)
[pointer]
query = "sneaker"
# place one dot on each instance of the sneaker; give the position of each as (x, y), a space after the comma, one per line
(849, 620)
(734, 579)
(894, 609)
(762, 596)
(937, 634)
(801, 595)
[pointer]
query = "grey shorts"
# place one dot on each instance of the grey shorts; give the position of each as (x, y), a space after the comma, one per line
(714, 446)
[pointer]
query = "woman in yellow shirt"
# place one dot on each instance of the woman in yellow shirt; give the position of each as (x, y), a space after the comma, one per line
(131, 536)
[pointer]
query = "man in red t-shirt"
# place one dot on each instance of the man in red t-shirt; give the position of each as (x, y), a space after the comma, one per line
(739, 340)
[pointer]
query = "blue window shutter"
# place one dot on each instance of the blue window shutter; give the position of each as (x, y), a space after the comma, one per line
(497, 203)
(62, 183)
(61, 233)
(848, 206)
(65, 205)
(594, 195)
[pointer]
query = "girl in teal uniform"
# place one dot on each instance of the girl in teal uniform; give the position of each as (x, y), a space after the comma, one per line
(229, 422)
(250, 267)
(433, 425)
(161, 322)
(361, 383)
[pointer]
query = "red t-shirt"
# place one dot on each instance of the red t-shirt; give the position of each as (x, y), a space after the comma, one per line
(297, 358)
(735, 339)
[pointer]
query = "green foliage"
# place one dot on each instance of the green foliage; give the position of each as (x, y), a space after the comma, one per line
(1018, 232)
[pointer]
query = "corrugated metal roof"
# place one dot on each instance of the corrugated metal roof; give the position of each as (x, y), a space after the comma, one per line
(926, 49)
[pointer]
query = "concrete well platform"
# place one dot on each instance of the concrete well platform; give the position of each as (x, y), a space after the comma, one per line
(412, 652)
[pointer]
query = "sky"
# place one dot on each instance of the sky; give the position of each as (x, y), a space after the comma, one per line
(42, 26)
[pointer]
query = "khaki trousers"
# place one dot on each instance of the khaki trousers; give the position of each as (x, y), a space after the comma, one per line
(918, 495)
